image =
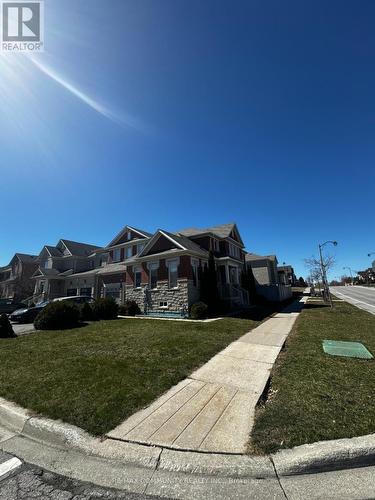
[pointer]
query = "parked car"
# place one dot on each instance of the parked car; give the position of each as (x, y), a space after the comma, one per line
(7, 306)
(77, 299)
(27, 314)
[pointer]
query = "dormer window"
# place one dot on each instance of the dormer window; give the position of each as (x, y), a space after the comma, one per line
(128, 252)
(216, 246)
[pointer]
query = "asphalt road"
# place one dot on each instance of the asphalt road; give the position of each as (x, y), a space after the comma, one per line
(360, 296)
(20, 481)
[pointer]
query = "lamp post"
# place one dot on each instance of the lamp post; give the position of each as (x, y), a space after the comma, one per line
(323, 269)
(351, 273)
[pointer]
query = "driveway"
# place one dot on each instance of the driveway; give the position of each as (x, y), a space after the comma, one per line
(360, 296)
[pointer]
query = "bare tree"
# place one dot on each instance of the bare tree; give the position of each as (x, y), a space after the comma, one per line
(314, 267)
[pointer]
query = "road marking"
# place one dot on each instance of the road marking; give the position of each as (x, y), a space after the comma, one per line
(9, 465)
(356, 300)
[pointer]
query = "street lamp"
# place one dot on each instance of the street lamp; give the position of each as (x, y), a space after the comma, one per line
(323, 269)
(351, 274)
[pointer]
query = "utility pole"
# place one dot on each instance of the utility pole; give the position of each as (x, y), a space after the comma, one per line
(351, 274)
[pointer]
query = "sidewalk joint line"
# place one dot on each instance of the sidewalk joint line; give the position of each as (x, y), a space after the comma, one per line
(157, 408)
(219, 417)
(200, 411)
(184, 404)
(277, 477)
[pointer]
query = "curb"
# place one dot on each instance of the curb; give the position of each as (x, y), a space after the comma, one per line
(322, 456)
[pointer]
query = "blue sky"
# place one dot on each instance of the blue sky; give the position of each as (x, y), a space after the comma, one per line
(178, 113)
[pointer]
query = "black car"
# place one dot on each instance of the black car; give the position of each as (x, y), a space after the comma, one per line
(7, 306)
(27, 315)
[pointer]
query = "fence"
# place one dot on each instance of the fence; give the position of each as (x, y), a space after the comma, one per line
(275, 293)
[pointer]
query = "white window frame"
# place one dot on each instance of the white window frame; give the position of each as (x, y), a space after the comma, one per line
(169, 263)
(153, 266)
(114, 251)
(140, 247)
(137, 270)
(130, 250)
(195, 266)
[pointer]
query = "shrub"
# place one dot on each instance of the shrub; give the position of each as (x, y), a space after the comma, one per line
(130, 308)
(85, 312)
(199, 310)
(6, 329)
(105, 308)
(57, 316)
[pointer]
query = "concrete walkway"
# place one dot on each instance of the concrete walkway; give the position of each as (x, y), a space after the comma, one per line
(213, 410)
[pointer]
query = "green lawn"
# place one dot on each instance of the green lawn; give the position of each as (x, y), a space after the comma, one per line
(98, 375)
(314, 396)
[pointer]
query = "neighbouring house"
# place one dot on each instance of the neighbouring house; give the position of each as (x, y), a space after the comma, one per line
(15, 278)
(286, 275)
(267, 278)
(57, 264)
(264, 268)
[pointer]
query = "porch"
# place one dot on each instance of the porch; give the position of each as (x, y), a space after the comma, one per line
(229, 283)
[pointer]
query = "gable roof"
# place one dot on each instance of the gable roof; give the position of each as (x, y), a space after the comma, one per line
(53, 251)
(253, 256)
(143, 234)
(24, 257)
(221, 231)
(79, 249)
(180, 241)
(45, 272)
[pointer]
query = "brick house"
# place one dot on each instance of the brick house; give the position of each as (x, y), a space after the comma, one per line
(15, 278)
(161, 271)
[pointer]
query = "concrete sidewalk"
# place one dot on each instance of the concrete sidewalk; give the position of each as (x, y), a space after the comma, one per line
(213, 410)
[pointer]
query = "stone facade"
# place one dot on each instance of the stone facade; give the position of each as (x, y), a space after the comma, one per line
(161, 298)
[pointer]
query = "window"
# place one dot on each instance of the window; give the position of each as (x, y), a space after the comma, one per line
(195, 268)
(41, 286)
(137, 278)
(216, 245)
(153, 268)
(116, 255)
(163, 305)
(85, 291)
(140, 247)
(128, 252)
(71, 292)
(153, 278)
(129, 235)
(173, 273)
(234, 251)
(113, 290)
